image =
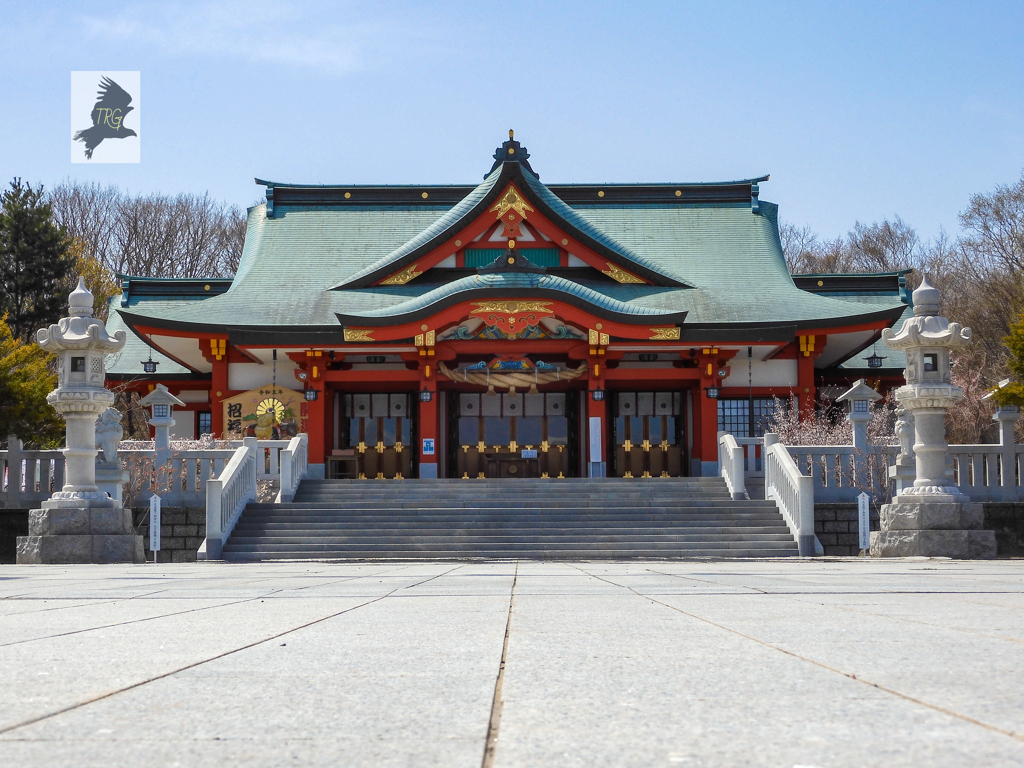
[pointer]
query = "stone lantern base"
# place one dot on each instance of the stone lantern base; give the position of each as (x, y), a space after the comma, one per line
(80, 531)
(914, 527)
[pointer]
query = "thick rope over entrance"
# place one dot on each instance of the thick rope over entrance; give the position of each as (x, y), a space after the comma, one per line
(511, 380)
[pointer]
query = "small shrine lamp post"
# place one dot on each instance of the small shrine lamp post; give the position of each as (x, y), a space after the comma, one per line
(932, 518)
(859, 398)
(161, 404)
(80, 523)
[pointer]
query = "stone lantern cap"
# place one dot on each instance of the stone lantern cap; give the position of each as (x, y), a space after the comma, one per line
(859, 391)
(927, 328)
(79, 331)
(160, 396)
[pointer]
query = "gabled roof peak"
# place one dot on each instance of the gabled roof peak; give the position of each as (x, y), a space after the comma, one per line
(512, 151)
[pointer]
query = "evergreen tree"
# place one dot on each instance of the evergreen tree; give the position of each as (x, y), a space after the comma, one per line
(1013, 393)
(34, 261)
(25, 381)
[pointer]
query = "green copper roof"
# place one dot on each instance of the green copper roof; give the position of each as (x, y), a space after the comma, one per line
(715, 254)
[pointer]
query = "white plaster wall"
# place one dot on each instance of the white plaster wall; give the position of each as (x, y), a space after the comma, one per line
(766, 373)
(194, 396)
(245, 376)
(184, 426)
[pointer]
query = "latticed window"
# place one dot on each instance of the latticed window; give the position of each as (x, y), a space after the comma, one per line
(736, 416)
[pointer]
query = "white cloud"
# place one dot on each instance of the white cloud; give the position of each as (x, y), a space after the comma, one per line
(335, 38)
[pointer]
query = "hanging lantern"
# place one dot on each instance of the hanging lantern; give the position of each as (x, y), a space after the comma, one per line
(149, 366)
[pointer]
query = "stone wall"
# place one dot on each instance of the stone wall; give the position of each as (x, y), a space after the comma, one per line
(13, 523)
(1007, 520)
(182, 530)
(837, 528)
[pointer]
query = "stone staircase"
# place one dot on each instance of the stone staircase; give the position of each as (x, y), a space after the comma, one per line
(529, 519)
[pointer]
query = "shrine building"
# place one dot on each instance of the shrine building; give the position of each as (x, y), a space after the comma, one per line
(509, 329)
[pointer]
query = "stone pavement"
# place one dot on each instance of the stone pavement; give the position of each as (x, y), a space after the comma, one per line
(773, 663)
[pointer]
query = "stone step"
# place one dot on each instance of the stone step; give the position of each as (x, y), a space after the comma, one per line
(483, 555)
(510, 547)
(580, 518)
(491, 541)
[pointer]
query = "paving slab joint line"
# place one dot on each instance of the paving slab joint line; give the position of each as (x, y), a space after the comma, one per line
(139, 621)
(153, 679)
(497, 703)
(850, 675)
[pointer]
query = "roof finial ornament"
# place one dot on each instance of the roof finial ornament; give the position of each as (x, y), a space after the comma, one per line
(512, 151)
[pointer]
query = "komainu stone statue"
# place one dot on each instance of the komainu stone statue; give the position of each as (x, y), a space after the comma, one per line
(108, 436)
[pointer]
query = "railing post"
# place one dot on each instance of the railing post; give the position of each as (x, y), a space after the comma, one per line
(14, 470)
(770, 439)
(214, 534)
(805, 526)
(286, 476)
(1007, 416)
(251, 443)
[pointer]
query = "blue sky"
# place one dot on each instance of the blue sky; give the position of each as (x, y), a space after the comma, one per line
(857, 110)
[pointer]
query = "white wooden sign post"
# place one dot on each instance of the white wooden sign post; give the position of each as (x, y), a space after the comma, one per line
(154, 525)
(864, 521)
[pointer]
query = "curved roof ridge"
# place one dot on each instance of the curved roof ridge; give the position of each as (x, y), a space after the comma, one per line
(570, 215)
(512, 281)
(447, 220)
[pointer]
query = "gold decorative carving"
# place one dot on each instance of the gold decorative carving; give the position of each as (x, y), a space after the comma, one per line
(627, 446)
(664, 334)
(403, 277)
(511, 379)
(511, 200)
(620, 275)
(511, 307)
(353, 335)
(513, 447)
(646, 445)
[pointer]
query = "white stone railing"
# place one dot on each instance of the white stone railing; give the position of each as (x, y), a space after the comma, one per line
(732, 465)
(840, 473)
(182, 479)
(227, 496)
(294, 461)
(793, 494)
(752, 456)
(28, 477)
(988, 472)
(270, 453)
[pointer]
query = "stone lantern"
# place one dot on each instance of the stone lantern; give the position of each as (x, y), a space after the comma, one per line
(860, 398)
(932, 518)
(161, 404)
(80, 523)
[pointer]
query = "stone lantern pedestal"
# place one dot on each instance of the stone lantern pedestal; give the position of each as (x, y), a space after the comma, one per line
(80, 523)
(932, 518)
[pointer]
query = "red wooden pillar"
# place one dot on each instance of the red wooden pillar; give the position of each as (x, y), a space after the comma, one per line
(428, 422)
(315, 423)
(218, 392)
(708, 409)
(805, 373)
(595, 433)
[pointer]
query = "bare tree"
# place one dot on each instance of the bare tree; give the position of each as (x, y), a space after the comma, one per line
(886, 247)
(186, 235)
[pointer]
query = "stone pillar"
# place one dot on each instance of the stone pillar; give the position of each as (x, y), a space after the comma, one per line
(933, 518)
(80, 523)
(1008, 416)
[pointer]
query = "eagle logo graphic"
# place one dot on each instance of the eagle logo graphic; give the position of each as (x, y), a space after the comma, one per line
(107, 117)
